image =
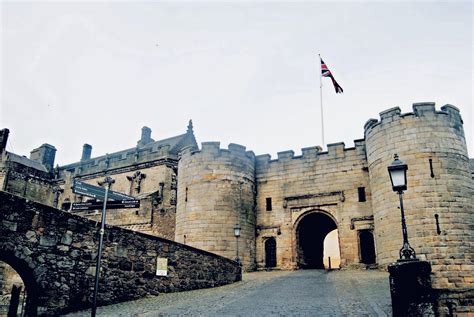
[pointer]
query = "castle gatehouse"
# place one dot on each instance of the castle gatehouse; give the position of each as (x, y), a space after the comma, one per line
(294, 211)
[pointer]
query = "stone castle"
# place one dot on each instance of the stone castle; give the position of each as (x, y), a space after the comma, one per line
(288, 205)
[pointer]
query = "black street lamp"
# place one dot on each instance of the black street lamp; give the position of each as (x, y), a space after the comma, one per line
(398, 177)
(237, 235)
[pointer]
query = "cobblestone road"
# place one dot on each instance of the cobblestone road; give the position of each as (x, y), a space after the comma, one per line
(277, 293)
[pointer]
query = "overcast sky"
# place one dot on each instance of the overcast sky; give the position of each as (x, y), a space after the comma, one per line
(245, 72)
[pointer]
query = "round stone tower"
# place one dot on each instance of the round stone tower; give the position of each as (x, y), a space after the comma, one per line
(439, 199)
(216, 191)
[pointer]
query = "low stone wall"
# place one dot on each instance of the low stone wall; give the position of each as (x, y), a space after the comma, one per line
(54, 252)
(454, 302)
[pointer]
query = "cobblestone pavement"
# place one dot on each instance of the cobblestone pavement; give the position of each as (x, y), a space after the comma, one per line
(276, 293)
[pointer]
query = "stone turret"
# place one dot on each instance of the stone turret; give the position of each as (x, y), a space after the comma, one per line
(439, 199)
(216, 190)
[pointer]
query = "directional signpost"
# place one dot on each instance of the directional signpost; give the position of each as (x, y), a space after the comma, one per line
(109, 199)
(97, 205)
(96, 192)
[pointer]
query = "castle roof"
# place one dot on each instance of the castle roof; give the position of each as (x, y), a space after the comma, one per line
(23, 160)
(173, 146)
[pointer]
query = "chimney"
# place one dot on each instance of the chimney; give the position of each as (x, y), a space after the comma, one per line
(3, 139)
(45, 155)
(146, 136)
(86, 152)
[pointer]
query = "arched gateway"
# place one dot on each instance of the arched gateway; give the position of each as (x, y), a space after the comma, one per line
(310, 230)
(28, 278)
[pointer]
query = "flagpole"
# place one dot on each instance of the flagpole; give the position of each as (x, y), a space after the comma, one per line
(321, 100)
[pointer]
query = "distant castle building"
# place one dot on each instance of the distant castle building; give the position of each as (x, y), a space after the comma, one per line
(286, 206)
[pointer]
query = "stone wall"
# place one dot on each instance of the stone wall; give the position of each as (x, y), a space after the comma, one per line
(432, 144)
(26, 182)
(215, 192)
(315, 181)
(54, 253)
(454, 302)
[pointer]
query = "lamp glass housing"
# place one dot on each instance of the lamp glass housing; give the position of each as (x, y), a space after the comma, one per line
(398, 175)
(237, 230)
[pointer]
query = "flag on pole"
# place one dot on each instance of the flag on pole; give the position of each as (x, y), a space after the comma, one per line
(325, 72)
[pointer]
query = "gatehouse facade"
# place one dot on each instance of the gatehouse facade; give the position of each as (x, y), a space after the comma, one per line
(286, 206)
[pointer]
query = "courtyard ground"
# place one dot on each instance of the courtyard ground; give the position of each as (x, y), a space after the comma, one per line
(275, 293)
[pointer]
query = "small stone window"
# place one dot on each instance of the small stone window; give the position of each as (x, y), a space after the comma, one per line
(361, 191)
(268, 201)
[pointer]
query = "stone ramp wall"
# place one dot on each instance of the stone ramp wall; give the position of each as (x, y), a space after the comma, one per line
(54, 252)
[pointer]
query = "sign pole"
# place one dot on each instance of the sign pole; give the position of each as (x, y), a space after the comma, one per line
(107, 181)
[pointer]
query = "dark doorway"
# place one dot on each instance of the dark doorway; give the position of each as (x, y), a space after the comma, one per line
(367, 247)
(310, 234)
(270, 252)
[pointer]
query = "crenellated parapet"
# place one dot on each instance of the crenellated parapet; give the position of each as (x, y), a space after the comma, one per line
(213, 149)
(422, 110)
(314, 153)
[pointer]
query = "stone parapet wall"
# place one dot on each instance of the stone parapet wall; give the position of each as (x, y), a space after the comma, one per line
(54, 252)
(118, 160)
(433, 146)
(216, 190)
(26, 182)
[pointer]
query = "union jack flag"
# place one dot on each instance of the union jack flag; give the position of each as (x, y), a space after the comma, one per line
(325, 72)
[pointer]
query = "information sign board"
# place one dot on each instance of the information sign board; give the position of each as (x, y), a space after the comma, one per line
(97, 205)
(161, 266)
(97, 192)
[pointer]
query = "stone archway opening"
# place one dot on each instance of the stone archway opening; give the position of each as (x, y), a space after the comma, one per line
(270, 252)
(332, 253)
(17, 280)
(12, 291)
(311, 231)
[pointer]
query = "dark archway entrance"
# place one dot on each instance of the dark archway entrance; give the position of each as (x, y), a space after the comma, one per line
(310, 233)
(26, 274)
(270, 252)
(12, 291)
(367, 247)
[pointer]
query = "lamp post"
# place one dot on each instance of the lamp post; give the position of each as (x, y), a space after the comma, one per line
(398, 177)
(237, 235)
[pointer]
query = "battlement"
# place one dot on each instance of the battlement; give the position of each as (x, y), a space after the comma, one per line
(335, 150)
(213, 148)
(421, 109)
